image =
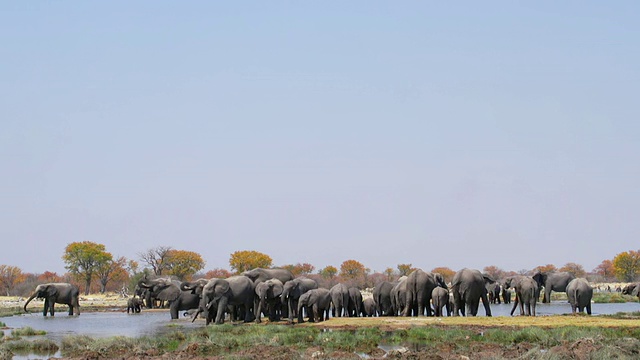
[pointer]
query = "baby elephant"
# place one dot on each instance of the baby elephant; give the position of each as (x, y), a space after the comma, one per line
(317, 303)
(440, 299)
(579, 293)
(134, 305)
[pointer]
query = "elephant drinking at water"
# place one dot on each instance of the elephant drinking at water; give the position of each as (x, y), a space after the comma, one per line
(56, 293)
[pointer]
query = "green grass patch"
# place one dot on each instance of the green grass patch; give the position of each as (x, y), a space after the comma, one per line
(27, 331)
(37, 346)
(605, 298)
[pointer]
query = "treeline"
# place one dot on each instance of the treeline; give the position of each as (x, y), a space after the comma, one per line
(90, 266)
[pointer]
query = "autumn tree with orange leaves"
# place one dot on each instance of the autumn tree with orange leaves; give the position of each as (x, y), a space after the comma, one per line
(606, 270)
(244, 260)
(10, 276)
(300, 269)
(217, 273)
(572, 268)
(446, 272)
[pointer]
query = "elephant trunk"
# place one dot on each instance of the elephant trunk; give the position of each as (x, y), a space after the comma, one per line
(35, 293)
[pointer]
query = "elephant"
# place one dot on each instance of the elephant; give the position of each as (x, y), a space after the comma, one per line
(527, 293)
(399, 295)
(169, 290)
(579, 293)
(493, 290)
(217, 294)
(354, 308)
(382, 298)
(317, 303)
(440, 299)
(56, 293)
(468, 288)
(369, 308)
(339, 300)
(506, 295)
(134, 304)
(556, 281)
(419, 286)
(631, 289)
(259, 275)
(268, 298)
(292, 291)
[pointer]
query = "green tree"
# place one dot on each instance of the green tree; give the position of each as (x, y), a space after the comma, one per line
(156, 258)
(244, 260)
(404, 269)
(627, 265)
(328, 272)
(83, 259)
(183, 264)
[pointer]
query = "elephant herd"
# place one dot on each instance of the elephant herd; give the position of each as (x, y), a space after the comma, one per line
(277, 294)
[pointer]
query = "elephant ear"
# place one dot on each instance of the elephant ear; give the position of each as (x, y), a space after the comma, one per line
(276, 288)
(51, 290)
(221, 287)
(169, 293)
(488, 279)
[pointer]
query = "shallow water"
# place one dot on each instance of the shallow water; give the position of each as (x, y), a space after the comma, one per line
(561, 307)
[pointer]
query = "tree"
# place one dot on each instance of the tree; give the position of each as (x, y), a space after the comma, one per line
(606, 270)
(217, 273)
(82, 259)
(244, 260)
(49, 277)
(109, 270)
(545, 268)
(183, 264)
(389, 273)
(352, 269)
(627, 265)
(156, 258)
(576, 269)
(494, 272)
(10, 276)
(299, 269)
(447, 273)
(328, 272)
(404, 269)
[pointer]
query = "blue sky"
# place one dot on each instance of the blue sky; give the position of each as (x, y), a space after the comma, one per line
(459, 135)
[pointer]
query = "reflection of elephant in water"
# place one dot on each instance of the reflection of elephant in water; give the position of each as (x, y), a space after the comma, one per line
(292, 291)
(169, 290)
(268, 298)
(468, 287)
(419, 286)
(440, 299)
(217, 294)
(556, 281)
(579, 293)
(56, 293)
(527, 293)
(317, 302)
(134, 305)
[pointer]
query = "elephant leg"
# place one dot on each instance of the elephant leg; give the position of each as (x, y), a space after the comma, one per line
(485, 303)
(259, 311)
(222, 307)
(173, 310)
(46, 307)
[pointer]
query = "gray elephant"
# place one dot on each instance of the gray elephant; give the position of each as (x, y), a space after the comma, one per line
(292, 291)
(218, 294)
(166, 289)
(493, 290)
(469, 287)
(259, 275)
(268, 297)
(369, 307)
(555, 281)
(56, 293)
(527, 293)
(506, 295)
(631, 289)
(419, 286)
(317, 303)
(354, 308)
(134, 304)
(382, 298)
(339, 300)
(579, 293)
(440, 300)
(399, 295)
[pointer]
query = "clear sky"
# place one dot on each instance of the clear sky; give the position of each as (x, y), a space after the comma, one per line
(462, 135)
